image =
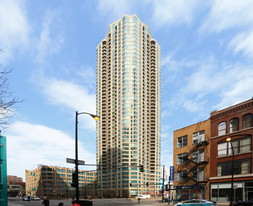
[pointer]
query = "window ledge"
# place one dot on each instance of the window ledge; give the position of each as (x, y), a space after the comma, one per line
(234, 155)
(229, 176)
(232, 133)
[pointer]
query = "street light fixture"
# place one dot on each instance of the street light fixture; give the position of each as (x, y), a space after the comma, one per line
(232, 172)
(76, 149)
(228, 139)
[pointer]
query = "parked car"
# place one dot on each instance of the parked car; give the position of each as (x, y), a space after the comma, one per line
(243, 203)
(141, 197)
(26, 198)
(35, 198)
(196, 202)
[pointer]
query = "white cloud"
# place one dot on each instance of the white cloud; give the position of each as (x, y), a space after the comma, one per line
(29, 145)
(114, 9)
(208, 71)
(232, 14)
(243, 42)
(17, 32)
(51, 37)
(15, 29)
(87, 75)
(230, 83)
(69, 95)
(240, 90)
(170, 12)
(229, 14)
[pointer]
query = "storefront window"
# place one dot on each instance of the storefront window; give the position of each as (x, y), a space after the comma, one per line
(222, 192)
(196, 194)
(248, 190)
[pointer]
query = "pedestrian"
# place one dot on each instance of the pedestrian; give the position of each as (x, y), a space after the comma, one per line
(139, 199)
(45, 201)
(61, 204)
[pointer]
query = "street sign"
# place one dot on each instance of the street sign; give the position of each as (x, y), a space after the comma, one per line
(73, 161)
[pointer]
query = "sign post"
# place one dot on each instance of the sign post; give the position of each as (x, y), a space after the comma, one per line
(171, 178)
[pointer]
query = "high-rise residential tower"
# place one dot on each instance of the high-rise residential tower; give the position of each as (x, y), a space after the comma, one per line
(128, 103)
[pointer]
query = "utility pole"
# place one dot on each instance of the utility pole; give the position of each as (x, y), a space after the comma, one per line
(138, 189)
(163, 184)
(169, 190)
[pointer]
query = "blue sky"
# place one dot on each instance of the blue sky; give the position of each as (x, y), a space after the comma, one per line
(207, 56)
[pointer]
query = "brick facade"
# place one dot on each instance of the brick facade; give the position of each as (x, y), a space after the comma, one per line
(229, 123)
(188, 188)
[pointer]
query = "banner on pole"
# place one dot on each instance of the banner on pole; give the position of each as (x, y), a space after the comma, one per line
(172, 173)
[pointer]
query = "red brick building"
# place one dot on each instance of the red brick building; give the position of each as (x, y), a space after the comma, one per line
(235, 122)
(14, 180)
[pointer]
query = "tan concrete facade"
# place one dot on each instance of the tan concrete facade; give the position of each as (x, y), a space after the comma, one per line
(192, 141)
(128, 102)
(55, 182)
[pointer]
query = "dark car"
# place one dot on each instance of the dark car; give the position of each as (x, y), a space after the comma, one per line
(243, 203)
(26, 198)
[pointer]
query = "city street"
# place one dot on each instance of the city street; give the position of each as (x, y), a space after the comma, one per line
(96, 202)
(13, 201)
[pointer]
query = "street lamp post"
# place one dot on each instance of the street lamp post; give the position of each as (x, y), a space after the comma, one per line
(232, 172)
(163, 184)
(169, 190)
(76, 149)
(228, 139)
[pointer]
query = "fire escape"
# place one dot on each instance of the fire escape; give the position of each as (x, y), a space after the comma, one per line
(191, 165)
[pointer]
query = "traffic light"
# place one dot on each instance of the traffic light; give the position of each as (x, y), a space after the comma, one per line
(130, 184)
(141, 168)
(74, 179)
(147, 184)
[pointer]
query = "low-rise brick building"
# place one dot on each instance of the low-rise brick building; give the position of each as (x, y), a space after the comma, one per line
(12, 179)
(191, 161)
(236, 123)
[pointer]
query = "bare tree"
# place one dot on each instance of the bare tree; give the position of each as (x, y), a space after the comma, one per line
(7, 100)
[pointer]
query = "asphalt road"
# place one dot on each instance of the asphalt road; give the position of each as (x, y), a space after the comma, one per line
(96, 202)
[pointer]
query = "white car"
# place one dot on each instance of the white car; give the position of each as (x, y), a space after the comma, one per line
(141, 197)
(35, 198)
(196, 202)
